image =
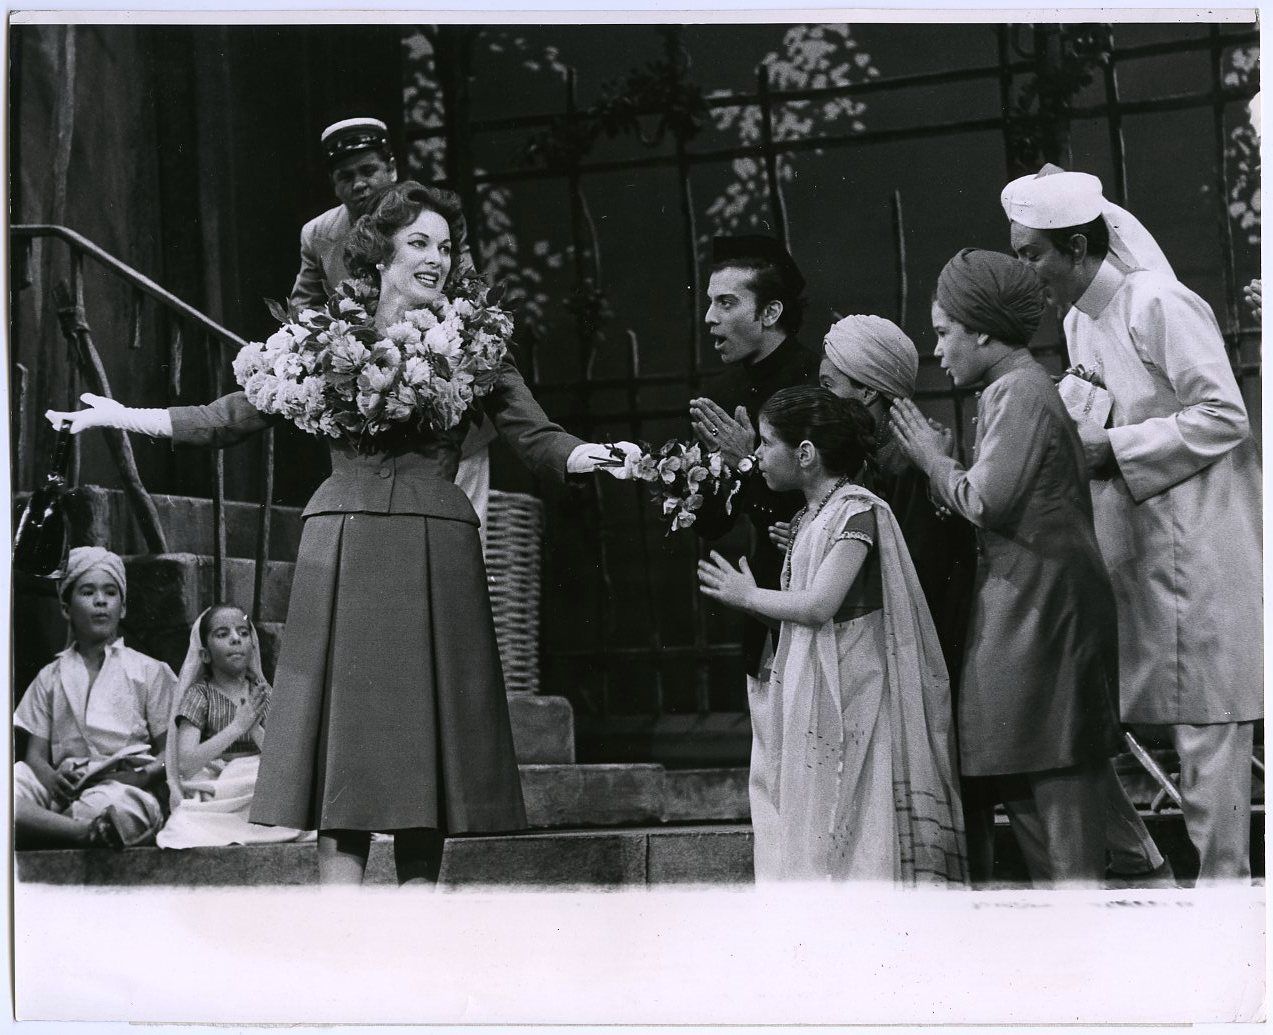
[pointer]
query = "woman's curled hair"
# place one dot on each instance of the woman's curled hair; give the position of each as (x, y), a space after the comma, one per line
(370, 241)
(842, 430)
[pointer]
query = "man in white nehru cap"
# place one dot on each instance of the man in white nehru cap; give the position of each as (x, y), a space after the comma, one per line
(1175, 492)
(361, 164)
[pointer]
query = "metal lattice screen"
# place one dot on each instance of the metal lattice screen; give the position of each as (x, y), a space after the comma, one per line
(597, 205)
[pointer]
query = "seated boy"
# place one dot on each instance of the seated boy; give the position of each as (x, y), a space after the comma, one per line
(97, 718)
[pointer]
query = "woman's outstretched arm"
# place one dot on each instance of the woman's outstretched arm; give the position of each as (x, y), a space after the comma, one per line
(224, 422)
(542, 445)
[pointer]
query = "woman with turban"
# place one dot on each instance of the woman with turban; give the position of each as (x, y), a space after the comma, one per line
(1037, 705)
(871, 359)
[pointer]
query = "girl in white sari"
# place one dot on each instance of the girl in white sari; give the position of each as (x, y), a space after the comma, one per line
(851, 773)
(215, 736)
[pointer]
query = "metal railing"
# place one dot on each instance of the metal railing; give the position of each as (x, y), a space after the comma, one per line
(86, 366)
(571, 663)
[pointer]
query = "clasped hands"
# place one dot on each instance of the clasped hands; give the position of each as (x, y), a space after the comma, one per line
(68, 784)
(249, 711)
(734, 436)
(922, 439)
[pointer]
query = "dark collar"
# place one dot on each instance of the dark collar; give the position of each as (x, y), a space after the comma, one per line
(773, 364)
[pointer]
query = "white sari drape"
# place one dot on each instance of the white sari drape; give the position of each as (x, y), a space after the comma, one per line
(852, 766)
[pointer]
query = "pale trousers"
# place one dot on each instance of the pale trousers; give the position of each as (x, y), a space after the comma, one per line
(1215, 783)
(1058, 819)
(137, 812)
(474, 478)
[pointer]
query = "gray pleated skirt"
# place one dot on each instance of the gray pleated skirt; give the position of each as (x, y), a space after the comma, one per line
(389, 710)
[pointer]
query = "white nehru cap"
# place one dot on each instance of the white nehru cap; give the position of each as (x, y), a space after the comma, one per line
(1053, 199)
(1053, 202)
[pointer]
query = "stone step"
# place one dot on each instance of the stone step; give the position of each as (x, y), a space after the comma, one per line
(697, 854)
(562, 796)
(167, 592)
(704, 854)
(102, 517)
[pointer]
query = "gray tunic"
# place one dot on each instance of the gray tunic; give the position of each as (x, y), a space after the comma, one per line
(1040, 678)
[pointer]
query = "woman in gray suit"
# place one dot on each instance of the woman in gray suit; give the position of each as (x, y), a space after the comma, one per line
(389, 711)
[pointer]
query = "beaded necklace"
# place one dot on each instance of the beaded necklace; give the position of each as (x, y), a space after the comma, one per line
(795, 528)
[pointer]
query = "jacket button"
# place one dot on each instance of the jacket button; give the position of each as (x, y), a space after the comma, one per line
(384, 472)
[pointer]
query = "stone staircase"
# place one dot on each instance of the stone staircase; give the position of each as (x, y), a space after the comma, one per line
(167, 592)
(590, 825)
(700, 853)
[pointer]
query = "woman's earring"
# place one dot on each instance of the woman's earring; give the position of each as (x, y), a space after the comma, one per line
(380, 266)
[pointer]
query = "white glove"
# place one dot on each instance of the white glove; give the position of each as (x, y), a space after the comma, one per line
(107, 413)
(596, 456)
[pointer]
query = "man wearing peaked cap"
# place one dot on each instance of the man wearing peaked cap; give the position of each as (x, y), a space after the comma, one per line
(756, 302)
(1175, 493)
(360, 164)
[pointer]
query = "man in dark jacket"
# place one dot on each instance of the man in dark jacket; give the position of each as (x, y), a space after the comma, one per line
(755, 306)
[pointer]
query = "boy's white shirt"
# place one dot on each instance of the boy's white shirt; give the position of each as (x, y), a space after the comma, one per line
(128, 708)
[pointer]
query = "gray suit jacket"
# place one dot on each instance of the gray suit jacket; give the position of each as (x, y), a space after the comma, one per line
(322, 257)
(417, 476)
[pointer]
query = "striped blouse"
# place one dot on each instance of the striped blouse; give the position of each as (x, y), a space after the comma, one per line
(211, 711)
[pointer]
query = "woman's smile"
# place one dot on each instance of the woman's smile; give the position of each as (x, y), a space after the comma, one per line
(421, 260)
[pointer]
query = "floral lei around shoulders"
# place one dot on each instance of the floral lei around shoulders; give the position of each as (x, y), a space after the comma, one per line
(331, 372)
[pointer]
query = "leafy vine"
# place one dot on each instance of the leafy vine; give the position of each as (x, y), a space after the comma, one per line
(499, 250)
(1038, 116)
(660, 89)
(1242, 151)
(811, 57)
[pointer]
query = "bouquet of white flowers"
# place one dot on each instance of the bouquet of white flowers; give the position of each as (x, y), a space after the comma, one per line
(681, 476)
(331, 372)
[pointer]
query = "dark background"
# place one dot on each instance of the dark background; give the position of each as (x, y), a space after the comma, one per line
(191, 153)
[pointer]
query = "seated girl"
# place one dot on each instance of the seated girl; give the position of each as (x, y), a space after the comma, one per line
(851, 766)
(215, 737)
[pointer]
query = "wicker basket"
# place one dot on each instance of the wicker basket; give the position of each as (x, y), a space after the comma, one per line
(514, 556)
